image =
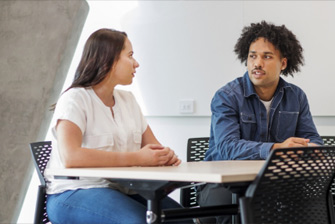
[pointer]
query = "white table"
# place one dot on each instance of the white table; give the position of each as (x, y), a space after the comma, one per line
(155, 183)
(211, 172)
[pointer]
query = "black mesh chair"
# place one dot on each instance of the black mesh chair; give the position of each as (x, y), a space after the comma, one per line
(292, 187)
(41, 154)
(330, 140)
(196, 149)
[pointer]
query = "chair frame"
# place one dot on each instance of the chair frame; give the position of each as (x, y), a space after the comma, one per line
(40, 152)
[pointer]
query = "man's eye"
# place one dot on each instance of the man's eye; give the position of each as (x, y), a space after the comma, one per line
(252, 56)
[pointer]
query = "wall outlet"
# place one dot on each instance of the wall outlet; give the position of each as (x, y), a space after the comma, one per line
(186, 106)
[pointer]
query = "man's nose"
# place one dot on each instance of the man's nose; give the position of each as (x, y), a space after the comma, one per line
(259, 63)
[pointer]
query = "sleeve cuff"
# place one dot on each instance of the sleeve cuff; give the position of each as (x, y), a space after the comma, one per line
(265, 150)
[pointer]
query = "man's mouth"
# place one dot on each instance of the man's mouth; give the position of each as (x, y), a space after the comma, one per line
(258, 73)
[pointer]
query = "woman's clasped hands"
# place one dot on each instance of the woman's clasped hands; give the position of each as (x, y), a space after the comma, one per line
(157, 155)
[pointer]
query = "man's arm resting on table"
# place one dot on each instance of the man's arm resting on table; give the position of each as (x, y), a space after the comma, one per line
(293, 142)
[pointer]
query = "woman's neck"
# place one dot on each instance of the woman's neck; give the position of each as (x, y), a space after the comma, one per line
(105, 93)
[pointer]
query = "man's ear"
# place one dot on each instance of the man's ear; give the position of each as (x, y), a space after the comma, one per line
(283, 63)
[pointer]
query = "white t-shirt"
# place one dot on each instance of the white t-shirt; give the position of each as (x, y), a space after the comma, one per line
(267, 105)
(100, 130)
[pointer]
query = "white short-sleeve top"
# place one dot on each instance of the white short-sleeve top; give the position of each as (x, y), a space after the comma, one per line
(100, 129)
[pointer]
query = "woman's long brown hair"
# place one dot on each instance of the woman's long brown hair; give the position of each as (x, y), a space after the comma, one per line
(102, 49)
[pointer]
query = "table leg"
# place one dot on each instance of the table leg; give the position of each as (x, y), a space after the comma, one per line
(234, 202)
(153, 211)
(153, 191)
(237, 190)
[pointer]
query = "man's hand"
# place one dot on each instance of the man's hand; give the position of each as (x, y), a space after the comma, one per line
(292, 142)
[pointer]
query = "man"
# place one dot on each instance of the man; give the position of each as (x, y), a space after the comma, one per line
(259, 112)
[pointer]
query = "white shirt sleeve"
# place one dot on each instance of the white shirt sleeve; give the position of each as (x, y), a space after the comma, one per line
(70, 107)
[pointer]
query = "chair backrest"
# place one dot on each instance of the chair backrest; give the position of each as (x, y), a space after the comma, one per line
(328, 140)
(292, 187)
(40, 152)
(196, 149)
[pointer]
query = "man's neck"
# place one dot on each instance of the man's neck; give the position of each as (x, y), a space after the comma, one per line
(265, 94)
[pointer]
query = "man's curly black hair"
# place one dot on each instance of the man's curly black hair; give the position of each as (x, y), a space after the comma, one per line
(282, 39)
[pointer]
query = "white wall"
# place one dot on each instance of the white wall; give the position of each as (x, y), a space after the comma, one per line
(174, 131)
(186, 48)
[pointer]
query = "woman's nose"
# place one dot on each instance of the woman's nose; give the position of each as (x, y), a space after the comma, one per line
(136, 64)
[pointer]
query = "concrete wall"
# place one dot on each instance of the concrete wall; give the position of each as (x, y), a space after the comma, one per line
(37, 41)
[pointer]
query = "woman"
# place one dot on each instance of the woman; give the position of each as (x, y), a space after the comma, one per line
(97, 125)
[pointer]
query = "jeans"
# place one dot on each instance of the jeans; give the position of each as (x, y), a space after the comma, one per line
(100, 205)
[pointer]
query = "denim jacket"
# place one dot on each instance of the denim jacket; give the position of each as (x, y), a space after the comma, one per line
(239, 128)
